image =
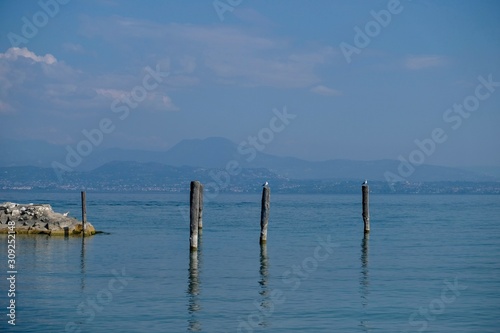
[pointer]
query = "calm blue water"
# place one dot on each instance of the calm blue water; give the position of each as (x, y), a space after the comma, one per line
(431, 264)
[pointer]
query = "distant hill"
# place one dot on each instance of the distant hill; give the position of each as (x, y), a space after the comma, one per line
(216, 152)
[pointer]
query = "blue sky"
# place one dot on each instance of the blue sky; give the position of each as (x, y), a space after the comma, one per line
(228, 70)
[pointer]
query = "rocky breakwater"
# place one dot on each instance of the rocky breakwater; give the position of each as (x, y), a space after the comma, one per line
(39, 219)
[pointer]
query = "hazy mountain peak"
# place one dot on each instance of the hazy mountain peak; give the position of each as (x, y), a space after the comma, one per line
(217, 152)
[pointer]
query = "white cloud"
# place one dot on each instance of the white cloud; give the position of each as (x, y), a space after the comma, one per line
(15, 52)
(40, 83)
(43, 85)
(231, 55)
(169, 105)
(242, 58)
(323, 90)
(112, 93)
(416, 62)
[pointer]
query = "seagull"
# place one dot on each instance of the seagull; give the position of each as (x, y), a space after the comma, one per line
(66, 214)
(265, 184)
(365, 182)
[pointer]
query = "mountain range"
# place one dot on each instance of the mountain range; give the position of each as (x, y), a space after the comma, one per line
(221, 153)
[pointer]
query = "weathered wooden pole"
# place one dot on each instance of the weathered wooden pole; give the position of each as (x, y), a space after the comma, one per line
(84, 212)
(264, 213)
(200, 212)
(194, 211)
(366, 206)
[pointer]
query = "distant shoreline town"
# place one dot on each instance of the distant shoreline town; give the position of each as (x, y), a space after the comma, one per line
(220, 164)
(154, 177)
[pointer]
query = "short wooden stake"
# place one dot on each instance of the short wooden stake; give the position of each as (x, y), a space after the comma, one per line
(84, 212)
(194, 211)
(366, 207)
(264, 214)
(200, 212)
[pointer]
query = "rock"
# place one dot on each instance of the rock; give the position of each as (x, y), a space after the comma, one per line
(3, 217)
(40, 219)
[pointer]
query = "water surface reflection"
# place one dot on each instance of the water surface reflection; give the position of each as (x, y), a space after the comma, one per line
(194, 288)
(364, 281)
(265, 299)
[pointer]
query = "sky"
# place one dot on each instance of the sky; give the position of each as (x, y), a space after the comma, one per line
(318, 80)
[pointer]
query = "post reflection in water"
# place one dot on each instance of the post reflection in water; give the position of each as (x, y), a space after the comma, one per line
(364, 280)
(82, 263)
(264, 292)
(194, 324)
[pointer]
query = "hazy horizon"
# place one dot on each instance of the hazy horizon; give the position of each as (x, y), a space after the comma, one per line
(236, 144)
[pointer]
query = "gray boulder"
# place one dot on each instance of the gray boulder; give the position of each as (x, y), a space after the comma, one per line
(39, 219)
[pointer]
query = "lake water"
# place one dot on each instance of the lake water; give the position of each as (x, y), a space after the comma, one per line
(430, 264)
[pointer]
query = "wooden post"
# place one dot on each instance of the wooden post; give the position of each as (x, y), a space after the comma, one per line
(264, 214)
(200, 213)
(194, 211)
(366, 207)
(84, 212)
